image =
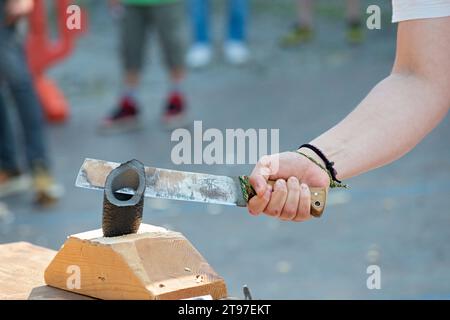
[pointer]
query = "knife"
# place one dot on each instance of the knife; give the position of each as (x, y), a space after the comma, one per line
(187, 186)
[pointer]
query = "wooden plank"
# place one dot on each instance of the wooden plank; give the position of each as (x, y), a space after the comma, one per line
(155, 263)
(22, 273)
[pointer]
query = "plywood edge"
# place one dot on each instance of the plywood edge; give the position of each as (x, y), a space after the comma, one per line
(217, 290)
(171, 268)
(22, 268)
(102, 272)
(145, 231)
(156, 263)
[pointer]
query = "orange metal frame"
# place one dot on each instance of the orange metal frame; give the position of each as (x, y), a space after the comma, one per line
(43, 52)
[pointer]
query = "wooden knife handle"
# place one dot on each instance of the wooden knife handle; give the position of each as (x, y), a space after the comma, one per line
(318, 196)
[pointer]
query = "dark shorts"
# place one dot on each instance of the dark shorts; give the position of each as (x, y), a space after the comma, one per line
(166, 20)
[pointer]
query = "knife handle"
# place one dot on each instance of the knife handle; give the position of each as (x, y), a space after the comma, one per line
(318, 195)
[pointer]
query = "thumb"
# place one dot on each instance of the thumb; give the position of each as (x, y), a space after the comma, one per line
(260, 175)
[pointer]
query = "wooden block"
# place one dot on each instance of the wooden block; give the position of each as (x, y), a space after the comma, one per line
(153, 264)
(22, 273)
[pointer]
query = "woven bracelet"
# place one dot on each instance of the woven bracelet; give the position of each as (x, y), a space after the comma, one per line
(333, 182)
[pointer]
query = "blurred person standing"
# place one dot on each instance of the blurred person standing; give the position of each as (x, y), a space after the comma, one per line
(235, 48)
(137, 17)
(15, 76)
(303, 29)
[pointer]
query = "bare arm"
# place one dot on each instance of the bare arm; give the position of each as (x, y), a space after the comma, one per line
(396, 115)
(402, 109)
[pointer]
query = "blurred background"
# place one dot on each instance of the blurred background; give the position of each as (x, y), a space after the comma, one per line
(396, 217)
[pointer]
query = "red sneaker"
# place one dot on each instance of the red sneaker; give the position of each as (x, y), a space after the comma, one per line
(174, 115)
(122, 119)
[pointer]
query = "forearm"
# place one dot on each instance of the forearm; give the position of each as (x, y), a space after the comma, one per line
(396, 115)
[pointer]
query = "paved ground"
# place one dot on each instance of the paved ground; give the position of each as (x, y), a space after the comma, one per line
(397, 216)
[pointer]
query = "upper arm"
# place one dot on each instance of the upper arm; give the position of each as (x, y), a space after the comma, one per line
(423, 49)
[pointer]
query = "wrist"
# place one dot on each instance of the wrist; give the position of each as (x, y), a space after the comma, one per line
(315, 162)
(319, 159)
(312, 169)
(311, 154)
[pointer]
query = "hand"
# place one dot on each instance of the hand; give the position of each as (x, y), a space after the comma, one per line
(290, 198)
(16, 9)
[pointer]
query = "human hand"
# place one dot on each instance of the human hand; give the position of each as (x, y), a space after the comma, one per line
(290, 198)
(15, 9)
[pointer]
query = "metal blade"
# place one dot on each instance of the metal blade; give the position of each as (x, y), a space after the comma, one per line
(168, 184)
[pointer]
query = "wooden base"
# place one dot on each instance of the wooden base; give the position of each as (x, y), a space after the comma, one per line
(22, 274)
(153, 264)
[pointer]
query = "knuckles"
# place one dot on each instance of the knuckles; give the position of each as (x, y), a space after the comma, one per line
(289, 212)
(280, 186)
(264, 161)
(293, 184)
(273, 212)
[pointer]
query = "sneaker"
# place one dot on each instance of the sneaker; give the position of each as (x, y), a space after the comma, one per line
(236, 52)
(296, 36)
(13, 182)
(355, 34)
(47, 192)
(174, 115)
(199, 56)
(123, 119)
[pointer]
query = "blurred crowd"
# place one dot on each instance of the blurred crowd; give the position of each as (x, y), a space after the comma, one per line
(165, 18)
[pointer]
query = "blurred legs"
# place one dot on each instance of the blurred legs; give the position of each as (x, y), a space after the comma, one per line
(355, 33)
(235, 50)
(8, 157)
(353, 10)
(133, 45)
(199, 11)
(200, 53)
(15, 74)
(125, 115)
(305, 13)
(302, 31)
(168, 20)
(237, 20)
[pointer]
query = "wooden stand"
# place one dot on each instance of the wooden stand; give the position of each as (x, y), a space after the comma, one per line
(153, 264)
(22, 274)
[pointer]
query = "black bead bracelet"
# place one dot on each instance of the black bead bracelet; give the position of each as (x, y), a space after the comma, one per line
(328, 164)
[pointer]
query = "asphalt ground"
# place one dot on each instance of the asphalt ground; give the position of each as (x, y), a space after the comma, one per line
(396, 217)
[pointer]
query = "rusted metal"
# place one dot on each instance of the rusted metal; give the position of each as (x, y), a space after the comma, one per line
(169, 184)
(122, 213)
(187, 186)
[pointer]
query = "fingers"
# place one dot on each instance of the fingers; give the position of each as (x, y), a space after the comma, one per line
(260, 175)
(292, 201)
(278, 199)
(304, 207)
(289, 201)
(258, 204)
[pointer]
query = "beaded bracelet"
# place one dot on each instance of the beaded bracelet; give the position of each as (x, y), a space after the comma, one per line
(334, 183)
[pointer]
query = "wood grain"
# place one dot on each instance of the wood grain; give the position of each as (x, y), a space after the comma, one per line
(22, 273)
(155, 263)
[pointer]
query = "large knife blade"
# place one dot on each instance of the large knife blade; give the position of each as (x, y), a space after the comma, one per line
(186, 186)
